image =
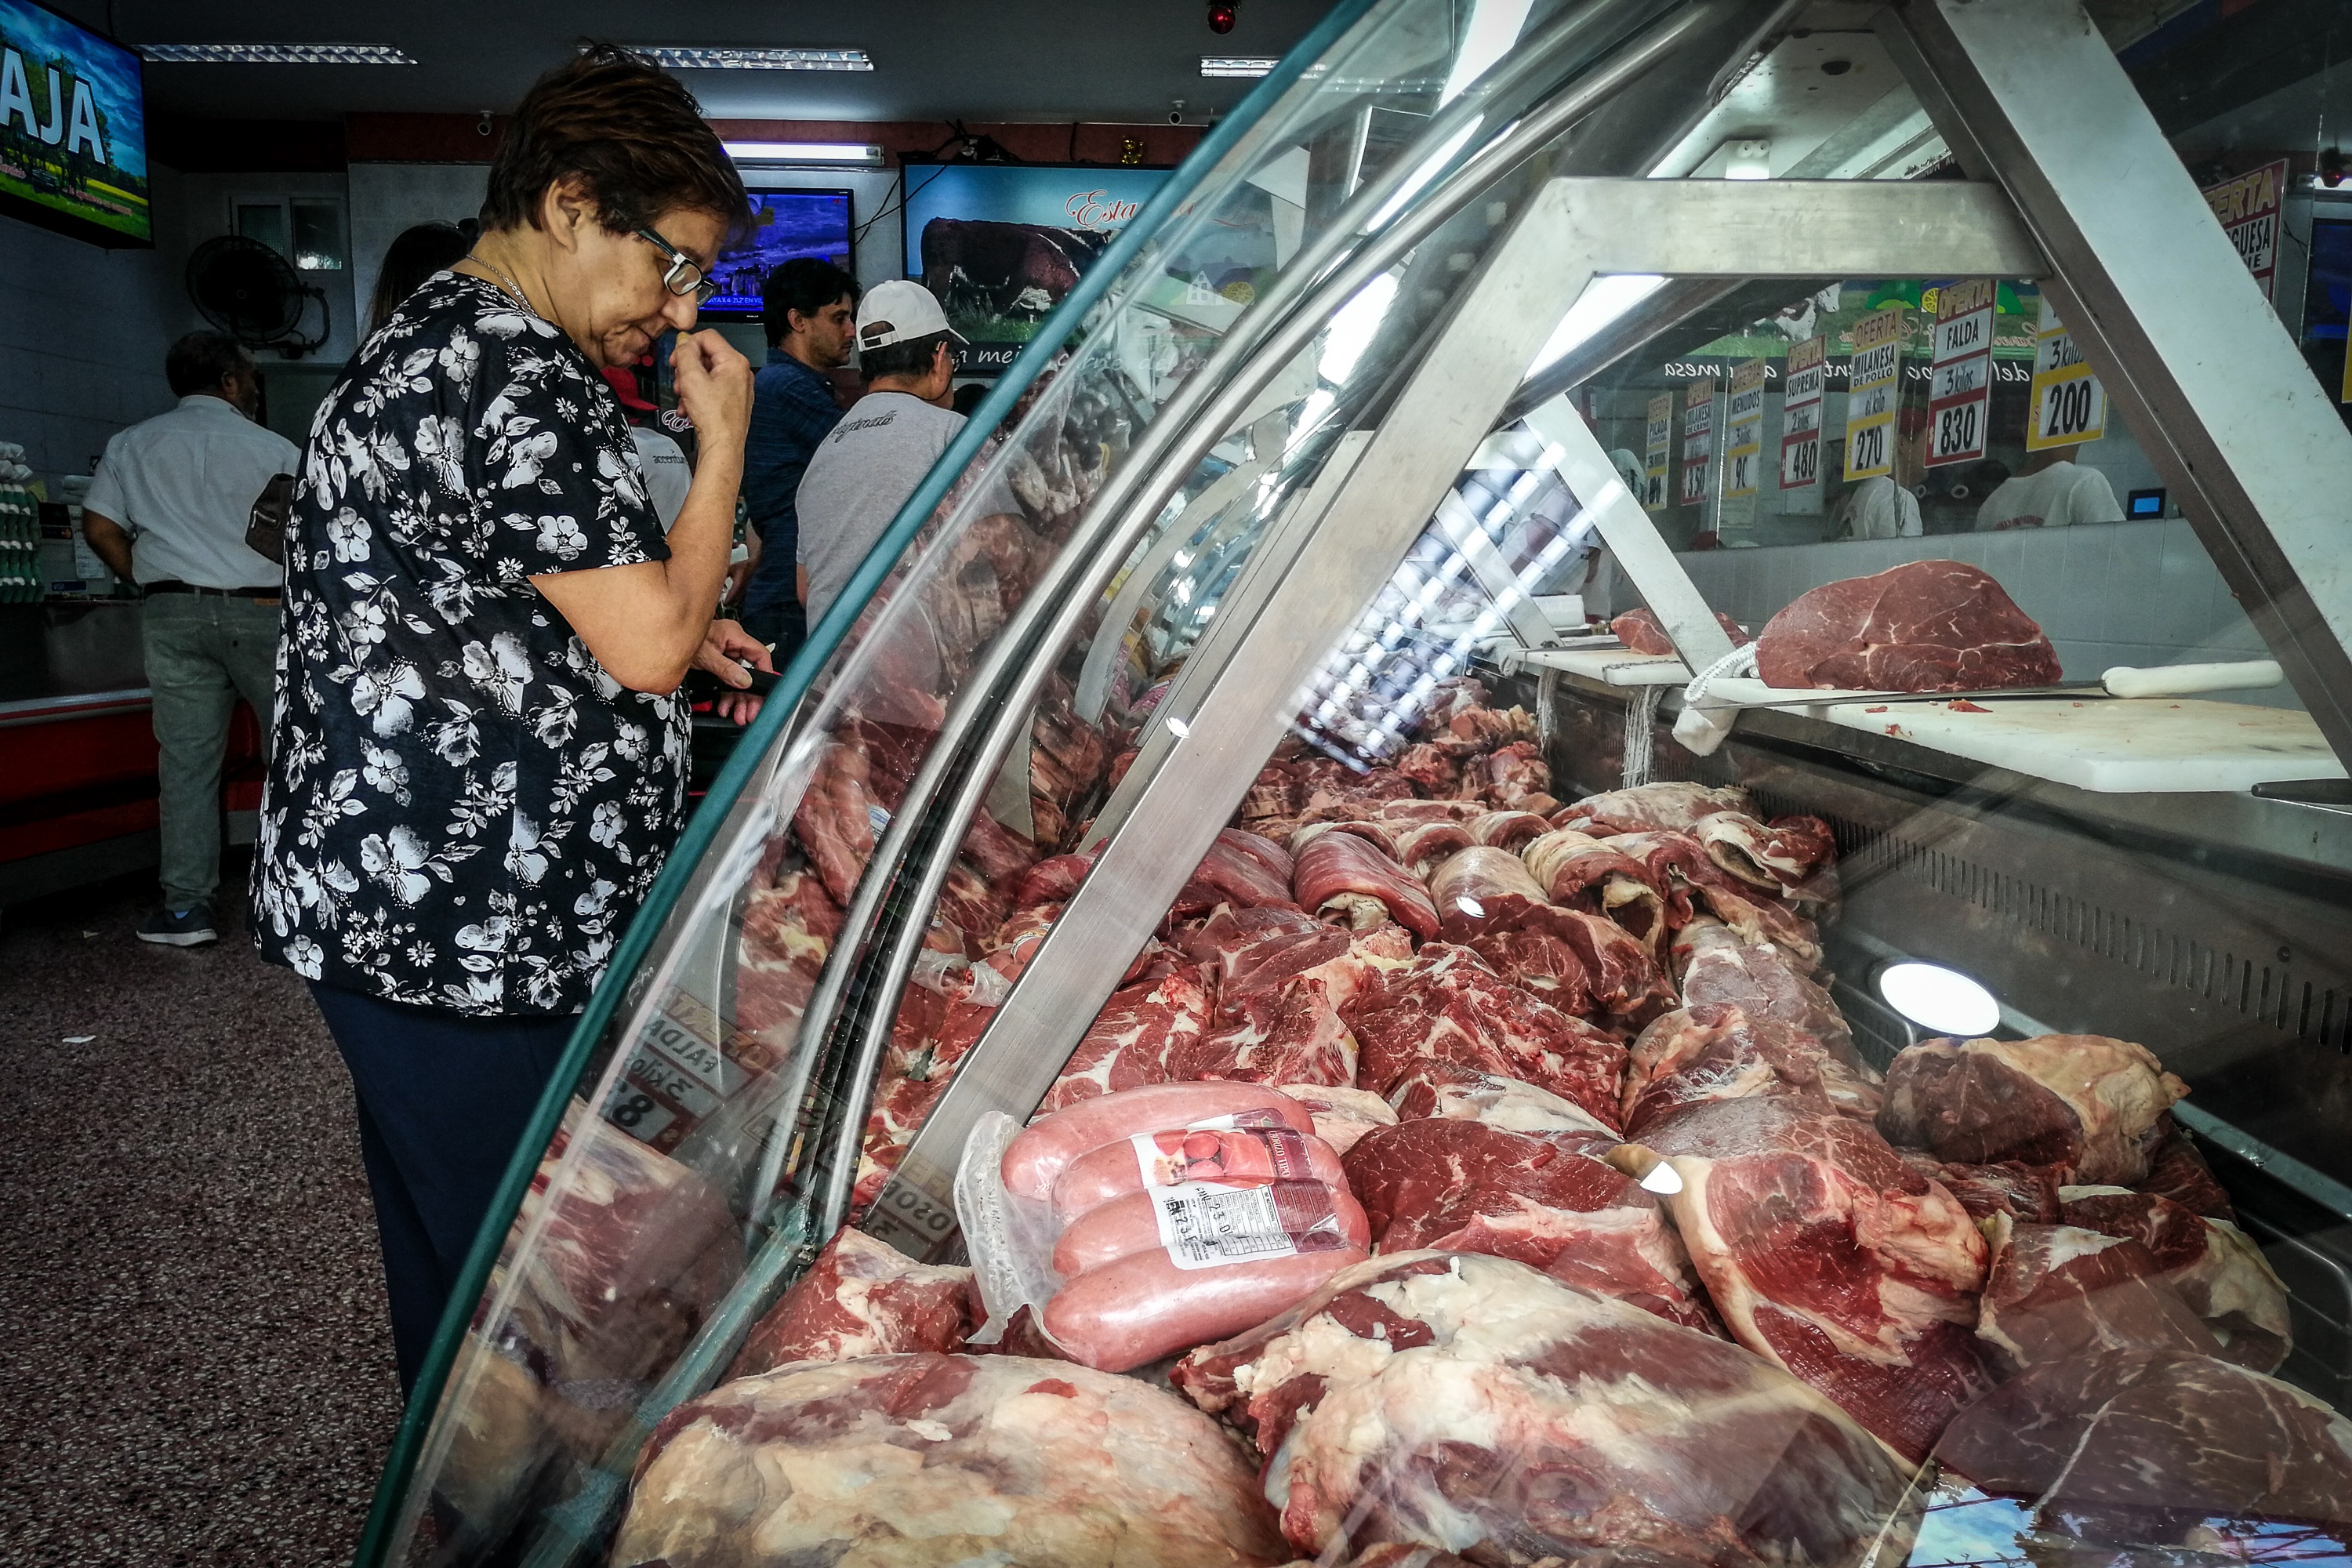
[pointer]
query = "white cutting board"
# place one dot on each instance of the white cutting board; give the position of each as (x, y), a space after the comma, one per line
(1613, 665)
(2145, 745)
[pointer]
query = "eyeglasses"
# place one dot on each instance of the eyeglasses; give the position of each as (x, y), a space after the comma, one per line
(685, 274)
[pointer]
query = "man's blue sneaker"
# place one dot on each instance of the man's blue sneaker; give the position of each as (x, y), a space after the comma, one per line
(189, 928)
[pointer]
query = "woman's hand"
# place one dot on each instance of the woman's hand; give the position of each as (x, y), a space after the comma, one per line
(725, 647)
(714, 387)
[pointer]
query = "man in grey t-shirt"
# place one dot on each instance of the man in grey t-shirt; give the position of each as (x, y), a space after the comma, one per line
(861, 474)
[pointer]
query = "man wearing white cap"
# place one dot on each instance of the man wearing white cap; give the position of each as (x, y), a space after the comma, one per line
(863, 472)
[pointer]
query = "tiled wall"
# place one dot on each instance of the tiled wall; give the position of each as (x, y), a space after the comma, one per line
(82, 336)
(2106, 594)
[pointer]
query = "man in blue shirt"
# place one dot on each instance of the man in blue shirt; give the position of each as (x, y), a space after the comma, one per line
(808, 308)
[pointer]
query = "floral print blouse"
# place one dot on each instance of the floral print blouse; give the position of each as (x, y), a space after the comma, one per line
(463, 809)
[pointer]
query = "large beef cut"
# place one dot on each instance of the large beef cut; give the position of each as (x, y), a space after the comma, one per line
(860, 1298)
(1141, 1032)
(2151, 1449)
(2053, 1291)
(1476, 1405)
(2086, 1100)
(1824, 1252)
(2022, 1192)
(1467, 1094)
(1240, 869)
(788, 930)
(2216, 1267)
(906, 1461)
(1546, 1199)
(1347, 877)
(1642, 632)
(1669, 807)
(1582, 872)
(1292, 1035)
(1489, 902)
(1925, 626)
(1764, 979)
(1779, 856)
(1715, 1051)
(1449, 1006)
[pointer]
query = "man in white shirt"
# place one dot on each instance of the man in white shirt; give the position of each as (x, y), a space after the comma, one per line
(2054, 492)
(1878, 508)
(862, 473)
(667, 475)
(168, 509)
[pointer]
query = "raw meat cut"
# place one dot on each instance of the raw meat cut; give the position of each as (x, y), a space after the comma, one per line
(1824, 1253)
(1293, 1035)
(1582, 872)
(1487, 902)
(1396, 813)
(998, 854)
(1051, 880)
(2217, 1268)
(2176, 1171)
(1545, 1199)
(1256, 950)
(2084, 1100)
(839, 818)
(2028, 1192)
(1239, 870)
(1777, 858)
(633, 1251)
(1512, 830)
(1466, 1094)
(1642, 632)
(1428, 768)
(1343, 1114)
(1352, 816)
(860, 1298)
(1925, 626)
(1350, 877)
(909, 1461)
(1754, 916)
(1424, 847)
(1474, 1404)
(1715, 1051)
(2054, 1292)
(1447, 1009)
(2150, 1448)
(1139, 1031)
(1510, 775)
(1761, 980)
(1278, 791)
(788, 930)
(1667, 806)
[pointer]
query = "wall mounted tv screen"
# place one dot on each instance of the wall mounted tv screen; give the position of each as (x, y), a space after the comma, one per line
(1000, 244)
(785, 224)
(73, 129)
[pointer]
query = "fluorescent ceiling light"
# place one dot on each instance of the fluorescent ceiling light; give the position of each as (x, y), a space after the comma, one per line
(1938, 998)
(275, 54)
(865, 152)
(1604, 300)
(700, 56)
(1237, 65)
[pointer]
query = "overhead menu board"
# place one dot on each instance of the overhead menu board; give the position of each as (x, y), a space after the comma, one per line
(2069, 406)
(1698, 438)
(1871, 388)
(73, 129)
(1960, 385)
(2248, 209)
(1743, 430)
(1657, 442)
(1801, 415)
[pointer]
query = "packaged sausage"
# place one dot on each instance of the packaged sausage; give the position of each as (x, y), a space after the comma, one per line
(1156, 1237)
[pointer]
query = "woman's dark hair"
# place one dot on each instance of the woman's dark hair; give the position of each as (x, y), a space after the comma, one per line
(631, 133)
(417, 254)
(909, 357)
(197, 362)
(805, 284)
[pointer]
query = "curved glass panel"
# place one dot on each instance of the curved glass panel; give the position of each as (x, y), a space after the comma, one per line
(1320, 688)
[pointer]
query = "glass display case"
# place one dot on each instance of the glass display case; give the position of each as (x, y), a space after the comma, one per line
(1721, 752)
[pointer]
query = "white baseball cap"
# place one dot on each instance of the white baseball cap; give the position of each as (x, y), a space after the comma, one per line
(898, 310)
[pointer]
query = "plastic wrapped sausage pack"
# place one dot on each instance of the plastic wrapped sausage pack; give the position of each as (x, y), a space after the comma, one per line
(1136, 1225)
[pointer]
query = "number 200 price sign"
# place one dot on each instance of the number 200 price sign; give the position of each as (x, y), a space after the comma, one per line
(2069, 405)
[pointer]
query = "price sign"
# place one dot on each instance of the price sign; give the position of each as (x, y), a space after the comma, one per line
(1744, 429)
(2068, 404)
(2248, 210)
(1870, 387)
(1698, 438)
(1960, 385)
(683, 1065)
(1658, 447)
(1801, 415)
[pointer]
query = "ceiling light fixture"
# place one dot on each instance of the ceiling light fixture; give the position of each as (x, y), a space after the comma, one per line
(1237, 65)
(1935, 997)
(275, 54)
(709, 57)
(865, 154)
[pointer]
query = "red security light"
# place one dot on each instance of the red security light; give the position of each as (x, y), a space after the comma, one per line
(1223, 14)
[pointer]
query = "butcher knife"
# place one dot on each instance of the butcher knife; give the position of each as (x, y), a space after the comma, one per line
(2124, 680)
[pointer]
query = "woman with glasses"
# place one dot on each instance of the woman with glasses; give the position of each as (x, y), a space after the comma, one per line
(479, 746)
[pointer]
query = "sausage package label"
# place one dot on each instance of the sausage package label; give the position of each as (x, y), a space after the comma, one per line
(1226, 1194)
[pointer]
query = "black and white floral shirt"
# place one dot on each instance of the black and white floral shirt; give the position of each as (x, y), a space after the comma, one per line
(464, 809)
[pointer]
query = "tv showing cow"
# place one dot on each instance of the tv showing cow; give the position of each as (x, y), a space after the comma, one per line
(1001, 244)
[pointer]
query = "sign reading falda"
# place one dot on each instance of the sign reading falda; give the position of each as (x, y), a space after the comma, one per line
(1960, 385)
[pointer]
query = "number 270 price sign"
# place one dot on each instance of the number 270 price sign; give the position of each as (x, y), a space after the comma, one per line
(1870, 394)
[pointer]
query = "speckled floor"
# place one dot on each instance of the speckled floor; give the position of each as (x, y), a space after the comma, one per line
(195, 1365)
